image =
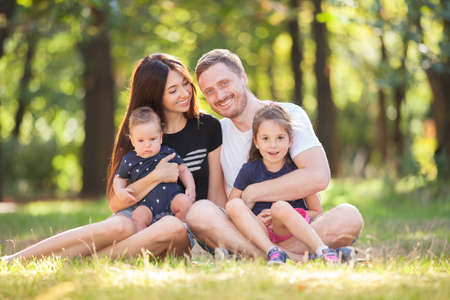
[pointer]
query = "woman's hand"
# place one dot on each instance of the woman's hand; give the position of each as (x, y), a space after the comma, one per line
(166, 171)
(265, 216)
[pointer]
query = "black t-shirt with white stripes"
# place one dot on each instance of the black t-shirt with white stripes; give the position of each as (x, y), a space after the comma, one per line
(193, 143)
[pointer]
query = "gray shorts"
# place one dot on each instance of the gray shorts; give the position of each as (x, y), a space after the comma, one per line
(127, 212)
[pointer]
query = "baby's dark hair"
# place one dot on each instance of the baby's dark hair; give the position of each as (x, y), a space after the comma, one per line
(271, 112)
(143, 115)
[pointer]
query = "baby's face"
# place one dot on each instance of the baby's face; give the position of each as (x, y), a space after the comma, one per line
(146, 139)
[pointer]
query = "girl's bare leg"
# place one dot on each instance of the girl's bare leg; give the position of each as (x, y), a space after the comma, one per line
(83, 240)
(286, 220)
(338, 227)
(248, 224)
(167, 235)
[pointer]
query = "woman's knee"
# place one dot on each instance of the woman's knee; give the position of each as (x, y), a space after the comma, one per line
(119, 227)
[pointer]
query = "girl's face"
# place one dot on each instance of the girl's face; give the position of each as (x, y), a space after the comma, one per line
(273, 142)
(146, 139)
(177, 94)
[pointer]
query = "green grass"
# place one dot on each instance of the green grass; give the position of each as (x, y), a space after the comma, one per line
(405, 239)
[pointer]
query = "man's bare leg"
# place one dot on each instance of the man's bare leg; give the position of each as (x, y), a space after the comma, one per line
(214, 228)
(167, 235)
(248, 224)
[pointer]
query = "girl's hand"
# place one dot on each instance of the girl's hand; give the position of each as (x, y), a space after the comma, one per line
(167, 171)
(265, 216)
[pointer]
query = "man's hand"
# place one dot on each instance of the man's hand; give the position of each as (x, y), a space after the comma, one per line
(166, 171)
(246, 196)
(265, 216)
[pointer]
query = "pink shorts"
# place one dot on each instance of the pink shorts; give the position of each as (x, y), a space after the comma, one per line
(279, 238)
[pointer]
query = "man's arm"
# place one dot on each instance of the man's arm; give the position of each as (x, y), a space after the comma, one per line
(312, 176)
(216, 187)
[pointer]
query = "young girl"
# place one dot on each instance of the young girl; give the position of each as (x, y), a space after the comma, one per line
(268, 159)
(144, 127)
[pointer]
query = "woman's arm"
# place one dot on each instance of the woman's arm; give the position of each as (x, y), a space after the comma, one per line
(164, 172)
(188, 181)
(314, 206)
(216, 187)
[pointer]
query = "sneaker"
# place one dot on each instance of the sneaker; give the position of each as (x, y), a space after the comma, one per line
(346, 254)
(276, 256)
(330, 256)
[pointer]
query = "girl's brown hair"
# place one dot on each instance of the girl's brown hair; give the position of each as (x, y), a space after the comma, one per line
(148, 83)
(274, 113)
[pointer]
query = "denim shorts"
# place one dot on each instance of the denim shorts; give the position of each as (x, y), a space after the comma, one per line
(127, 212)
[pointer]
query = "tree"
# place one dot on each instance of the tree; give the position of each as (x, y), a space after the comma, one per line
(327, 118)
(437, 69)
(99, 102)
(296, 50)
(7, 8)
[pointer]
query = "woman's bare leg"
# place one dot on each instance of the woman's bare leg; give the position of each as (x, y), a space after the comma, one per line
(167, 235)
(248, 224)
(83, 240)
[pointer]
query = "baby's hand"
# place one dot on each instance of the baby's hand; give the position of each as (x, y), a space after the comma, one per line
(190, 194)
(265, 216)
(126, 195)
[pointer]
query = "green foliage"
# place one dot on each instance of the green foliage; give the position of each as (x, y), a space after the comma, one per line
(256, 30)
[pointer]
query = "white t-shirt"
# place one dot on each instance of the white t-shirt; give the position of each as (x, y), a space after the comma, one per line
(236, 144)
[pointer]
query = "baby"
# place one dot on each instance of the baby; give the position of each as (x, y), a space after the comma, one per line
(145, 133)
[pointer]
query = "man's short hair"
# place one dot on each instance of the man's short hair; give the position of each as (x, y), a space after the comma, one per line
(225, 56)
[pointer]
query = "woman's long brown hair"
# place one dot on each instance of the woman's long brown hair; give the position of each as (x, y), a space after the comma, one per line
(148, 83)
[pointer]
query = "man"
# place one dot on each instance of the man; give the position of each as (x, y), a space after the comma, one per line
(224, 83)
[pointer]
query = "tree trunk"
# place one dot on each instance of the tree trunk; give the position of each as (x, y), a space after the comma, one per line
(383, 138)
(296, 50)
(98, 106)
(438, 74)
(440, 87)
(24, 96)
(327, 119)
(7, 8)
(399, 98)
(270, 72)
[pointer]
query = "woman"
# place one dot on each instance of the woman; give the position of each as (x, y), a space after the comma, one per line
(163, 83)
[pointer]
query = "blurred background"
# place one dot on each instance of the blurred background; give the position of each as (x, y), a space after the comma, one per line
(373, 75)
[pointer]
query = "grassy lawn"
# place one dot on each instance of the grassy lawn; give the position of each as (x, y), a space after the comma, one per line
(404, 242)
